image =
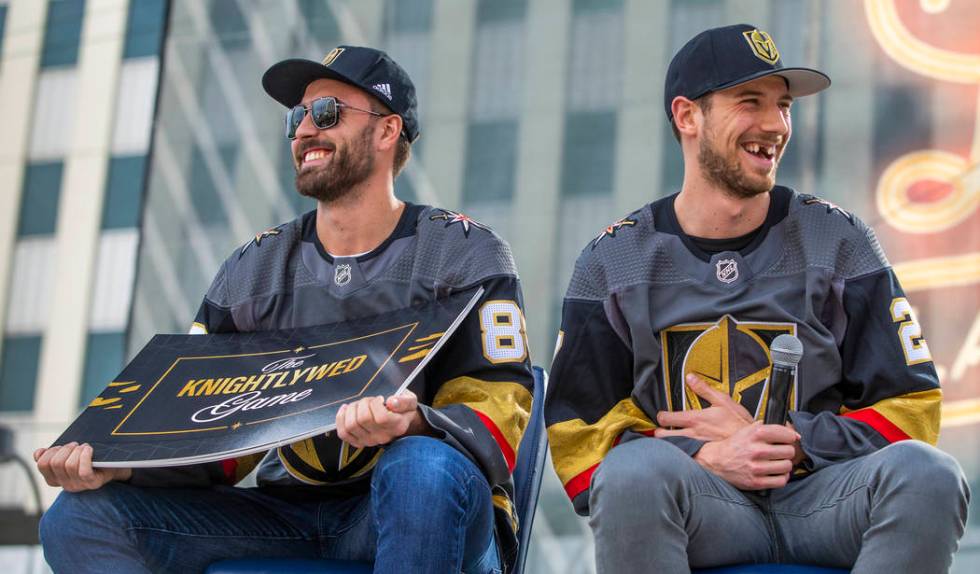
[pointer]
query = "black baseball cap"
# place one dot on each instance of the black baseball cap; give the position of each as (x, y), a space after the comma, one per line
(366, 68)
(720, 58)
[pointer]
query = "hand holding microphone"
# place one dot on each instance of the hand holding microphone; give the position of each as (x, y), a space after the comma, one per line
(786, 351)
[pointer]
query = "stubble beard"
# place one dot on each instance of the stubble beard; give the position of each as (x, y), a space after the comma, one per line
(349, 166)
(727, 171)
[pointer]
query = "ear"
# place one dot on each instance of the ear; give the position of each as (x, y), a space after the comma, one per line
(686, 116)
(391, 129)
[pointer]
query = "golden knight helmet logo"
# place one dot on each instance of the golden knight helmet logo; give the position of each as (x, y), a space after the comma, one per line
(762, 46)
(730, 355)
(333, 55)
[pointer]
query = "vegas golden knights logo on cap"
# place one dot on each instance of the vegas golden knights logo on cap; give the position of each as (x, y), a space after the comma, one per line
(329, 58)
(762, 46)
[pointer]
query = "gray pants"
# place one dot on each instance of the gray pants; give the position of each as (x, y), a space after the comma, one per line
(901, 509)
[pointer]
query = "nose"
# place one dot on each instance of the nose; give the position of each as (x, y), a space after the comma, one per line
(306, 128)
(776, 120)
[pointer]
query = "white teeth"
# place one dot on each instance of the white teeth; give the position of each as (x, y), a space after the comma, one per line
(767, 151)
(314, 155)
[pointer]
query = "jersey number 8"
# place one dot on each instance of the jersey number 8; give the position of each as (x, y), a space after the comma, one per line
(502, 332)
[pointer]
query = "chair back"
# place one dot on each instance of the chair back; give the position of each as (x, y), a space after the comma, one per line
(530, 467)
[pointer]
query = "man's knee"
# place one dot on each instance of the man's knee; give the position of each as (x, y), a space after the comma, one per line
(74, 518)
(423, 468)
(653, 467)
(925, 471)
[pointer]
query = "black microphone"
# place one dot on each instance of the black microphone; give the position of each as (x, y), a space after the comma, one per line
(786, 351)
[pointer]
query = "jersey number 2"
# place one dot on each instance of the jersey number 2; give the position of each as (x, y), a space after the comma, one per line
(909, 332)
(502, 332)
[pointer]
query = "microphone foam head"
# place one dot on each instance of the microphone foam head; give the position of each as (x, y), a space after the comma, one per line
(786, 350)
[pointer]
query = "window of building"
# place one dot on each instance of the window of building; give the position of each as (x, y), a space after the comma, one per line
(408, 16)
(104, 358)
(18, 372)
(596, 5)
(230, 25)
(39, 202)
(62, 33)
(202, 188)
(144, 28)
(320, 21)
(595, 79)
(497, 89)
(3, 19)
(124, 192)
(589, 153)
(491, 158)
(497, 10)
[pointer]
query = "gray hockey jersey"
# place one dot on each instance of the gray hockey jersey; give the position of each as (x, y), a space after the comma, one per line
(475, 393)
(646, 306)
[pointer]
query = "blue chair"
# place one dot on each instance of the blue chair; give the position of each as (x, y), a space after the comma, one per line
(527, 485)
(770, 569)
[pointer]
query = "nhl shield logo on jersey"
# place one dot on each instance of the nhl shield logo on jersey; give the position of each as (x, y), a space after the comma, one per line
(730, 355)
(342, 274)
(726, 270)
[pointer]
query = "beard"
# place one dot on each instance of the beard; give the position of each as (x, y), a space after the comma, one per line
(349, 166)
(727, 171)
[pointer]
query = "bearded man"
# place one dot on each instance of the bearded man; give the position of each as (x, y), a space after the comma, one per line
(417, 482)
(660, 383)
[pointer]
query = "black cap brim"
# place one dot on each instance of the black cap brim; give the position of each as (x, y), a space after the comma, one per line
(801, 81)
(287, 80)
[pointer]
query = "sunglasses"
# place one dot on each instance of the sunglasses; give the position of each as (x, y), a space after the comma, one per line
(325, 113)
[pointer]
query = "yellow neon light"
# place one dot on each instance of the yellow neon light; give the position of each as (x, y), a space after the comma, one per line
(905, 215)
(912, 53)
(936, 272)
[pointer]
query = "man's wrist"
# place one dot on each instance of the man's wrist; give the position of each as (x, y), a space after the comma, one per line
(418, 425)
(704, 456)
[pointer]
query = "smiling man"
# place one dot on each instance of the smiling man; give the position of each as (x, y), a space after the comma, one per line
(418, 482)
(661, 377)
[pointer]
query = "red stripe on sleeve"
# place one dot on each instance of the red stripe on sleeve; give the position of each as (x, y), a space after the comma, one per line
(580, 483)
(877, 421)
(505, 447)
(229, 467)
(576, 485)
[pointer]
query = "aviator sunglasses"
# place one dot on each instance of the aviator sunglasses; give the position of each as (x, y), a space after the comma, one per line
(325, 112)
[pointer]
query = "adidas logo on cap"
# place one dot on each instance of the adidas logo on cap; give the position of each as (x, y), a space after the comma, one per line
(385, 90)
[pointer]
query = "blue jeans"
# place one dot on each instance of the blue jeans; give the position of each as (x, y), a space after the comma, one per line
(901, 509)
(429, 510)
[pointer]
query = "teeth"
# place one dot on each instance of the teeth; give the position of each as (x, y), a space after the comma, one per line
(768, 151)
(314, 155)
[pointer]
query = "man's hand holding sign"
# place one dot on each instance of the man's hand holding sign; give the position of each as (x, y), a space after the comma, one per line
(70, 467)
(377, 421)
